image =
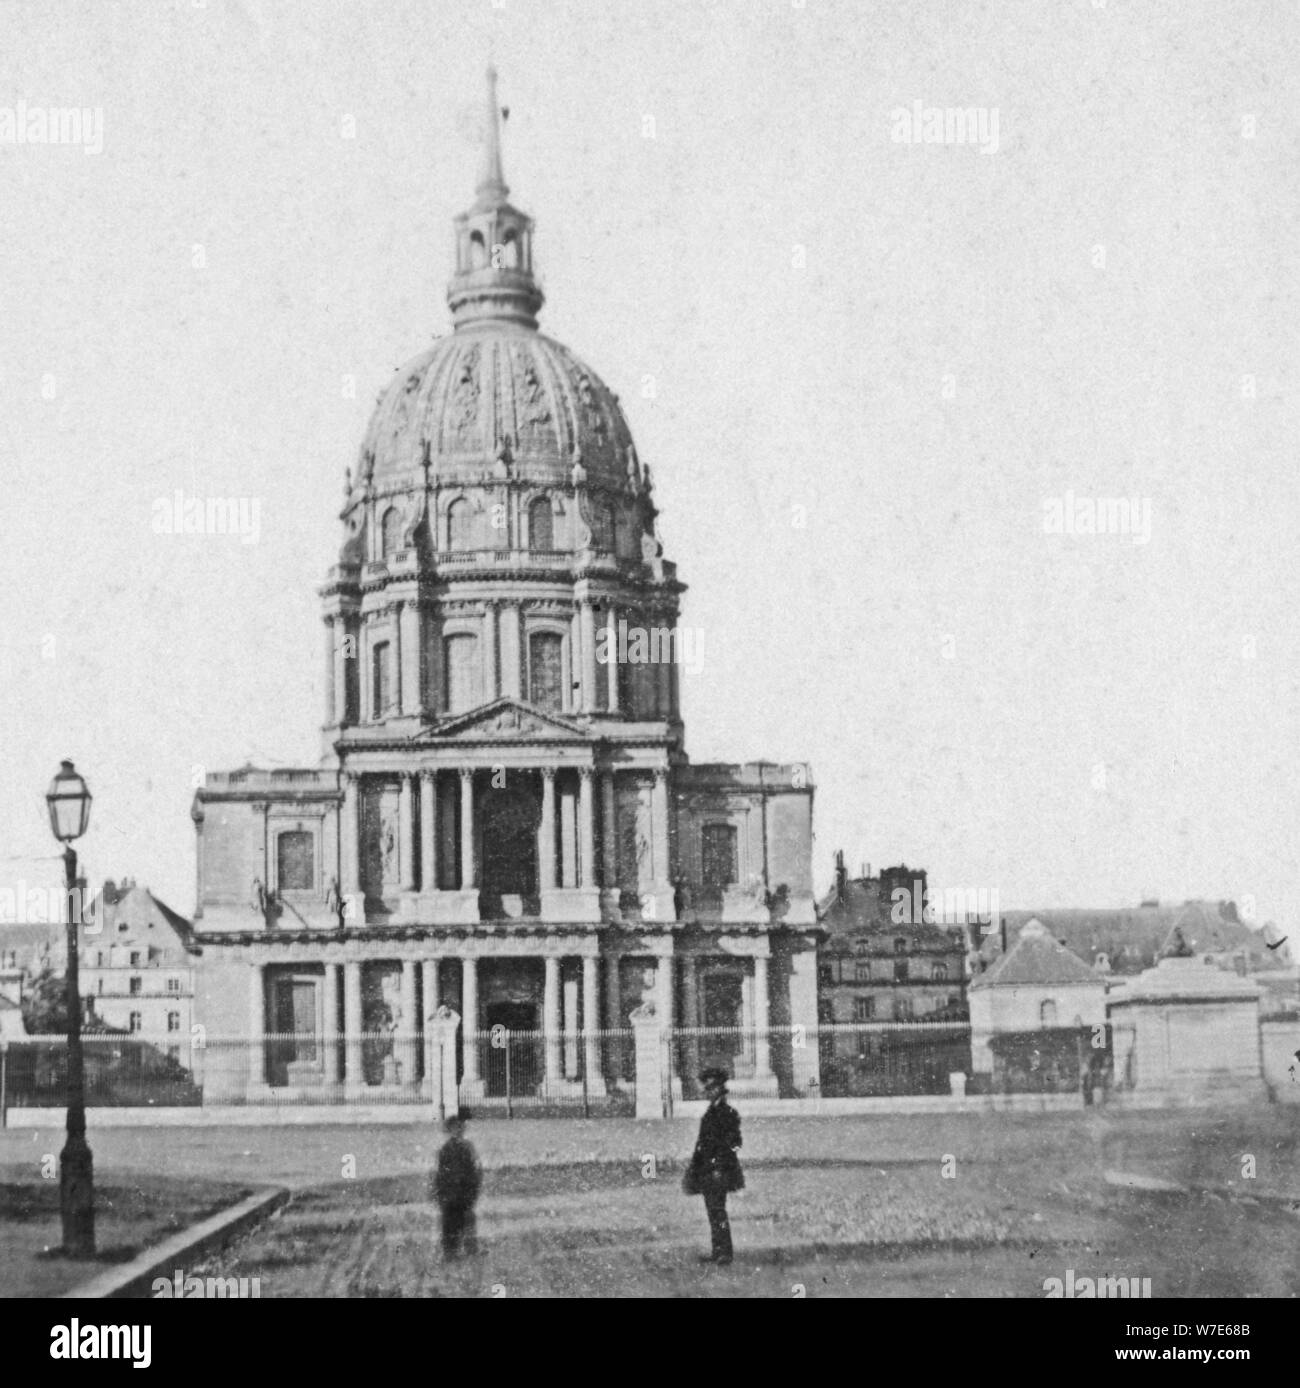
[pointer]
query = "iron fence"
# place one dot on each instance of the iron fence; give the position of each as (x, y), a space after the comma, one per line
(538, 1072)
(511, 1073)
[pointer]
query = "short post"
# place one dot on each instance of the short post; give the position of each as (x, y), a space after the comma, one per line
(648, 1041)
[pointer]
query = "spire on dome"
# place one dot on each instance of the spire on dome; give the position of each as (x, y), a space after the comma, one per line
(494, 244)
(492, 189)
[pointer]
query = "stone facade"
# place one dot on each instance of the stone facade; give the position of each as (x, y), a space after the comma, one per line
(136, 968)
(1188, 1032)
(1038, 985)
(505, 819)
(882, 960)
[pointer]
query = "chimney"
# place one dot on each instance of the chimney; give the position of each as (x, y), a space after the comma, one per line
(841, 875)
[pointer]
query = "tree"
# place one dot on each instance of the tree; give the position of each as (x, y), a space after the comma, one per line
(45, 1006)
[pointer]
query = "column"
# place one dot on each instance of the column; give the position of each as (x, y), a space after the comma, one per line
(408, 631)
(659, 822)
(491, 665)
(350, 840)
(664, 990)
(466, 829)
(691, 1011)
(352, 1024)
(508, 629)
(330, 1039)
(338, 670)
(762, 1047)
(407, 1042)
(551, 1021)
(432, 986)
(406, 831)
(611, 659)
(469, 1008)
(571, 1027)
(256, 1025)
(590, 1020)
(586, 828)
(568, 840)
(609, 831)
(428, 832)
(587, 625)
(546, 833)
(614, 1014)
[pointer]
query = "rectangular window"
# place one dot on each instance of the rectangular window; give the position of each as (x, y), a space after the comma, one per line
(173, 1021)
(135, 959)
(173, 985)
(460, 683)
(546, 670)
(862, 971)
(134, 1023)
(900, 970)
(383, 680)
(135, 987)
(296, 861)
(864, 1009)
(718, 854)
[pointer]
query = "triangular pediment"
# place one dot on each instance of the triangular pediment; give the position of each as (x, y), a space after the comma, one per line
(505, 720)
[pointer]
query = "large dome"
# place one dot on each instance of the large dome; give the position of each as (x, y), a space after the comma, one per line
(495, 393)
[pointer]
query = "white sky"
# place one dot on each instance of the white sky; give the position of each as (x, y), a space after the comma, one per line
(1120, 126)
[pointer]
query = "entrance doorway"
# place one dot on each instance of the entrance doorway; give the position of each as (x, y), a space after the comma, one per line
(508, 823)
(515, 1059)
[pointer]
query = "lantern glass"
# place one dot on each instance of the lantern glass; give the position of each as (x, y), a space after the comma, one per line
(69, 801)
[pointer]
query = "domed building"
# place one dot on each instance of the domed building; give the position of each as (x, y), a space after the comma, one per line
(505, 820)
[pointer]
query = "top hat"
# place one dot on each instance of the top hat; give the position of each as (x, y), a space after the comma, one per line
(714, 1076)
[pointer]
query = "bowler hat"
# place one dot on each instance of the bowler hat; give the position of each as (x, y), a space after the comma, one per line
(714, 1077)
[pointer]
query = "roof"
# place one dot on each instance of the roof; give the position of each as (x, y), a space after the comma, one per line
(1133, 938)
(141, 905)
(864, 908)
(1036, 958)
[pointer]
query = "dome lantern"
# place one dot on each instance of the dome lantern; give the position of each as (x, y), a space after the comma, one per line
(494, 244)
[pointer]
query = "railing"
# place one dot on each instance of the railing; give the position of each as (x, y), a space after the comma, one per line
(510, 1073)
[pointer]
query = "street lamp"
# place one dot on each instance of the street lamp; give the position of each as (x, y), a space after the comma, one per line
(68, 799)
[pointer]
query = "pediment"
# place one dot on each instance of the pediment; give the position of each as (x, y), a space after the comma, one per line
(505, 720)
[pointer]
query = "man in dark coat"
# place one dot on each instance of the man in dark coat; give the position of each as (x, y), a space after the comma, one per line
(455, 1186)
(714, 1169)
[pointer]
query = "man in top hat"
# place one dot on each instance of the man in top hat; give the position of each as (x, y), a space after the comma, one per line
(455, 1186)
(714, 1168)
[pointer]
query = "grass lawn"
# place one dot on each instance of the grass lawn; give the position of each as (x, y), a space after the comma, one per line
(131, 1214)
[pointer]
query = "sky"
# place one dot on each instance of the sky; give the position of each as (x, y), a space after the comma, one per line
(881, 382)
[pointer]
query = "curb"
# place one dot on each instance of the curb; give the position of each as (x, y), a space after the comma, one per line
(136, 1278)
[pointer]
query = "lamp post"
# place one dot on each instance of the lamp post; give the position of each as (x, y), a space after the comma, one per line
(68, 799)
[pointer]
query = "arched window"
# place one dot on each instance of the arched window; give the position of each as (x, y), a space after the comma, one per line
(460, 672)
(392, 531)
(541, 525)
(1047, 1013)
(939, 971)
(900, 945)
(546, 670)
(381, 679)
(478, 256)
(295, 861)
(460, 525)
(510, 250)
